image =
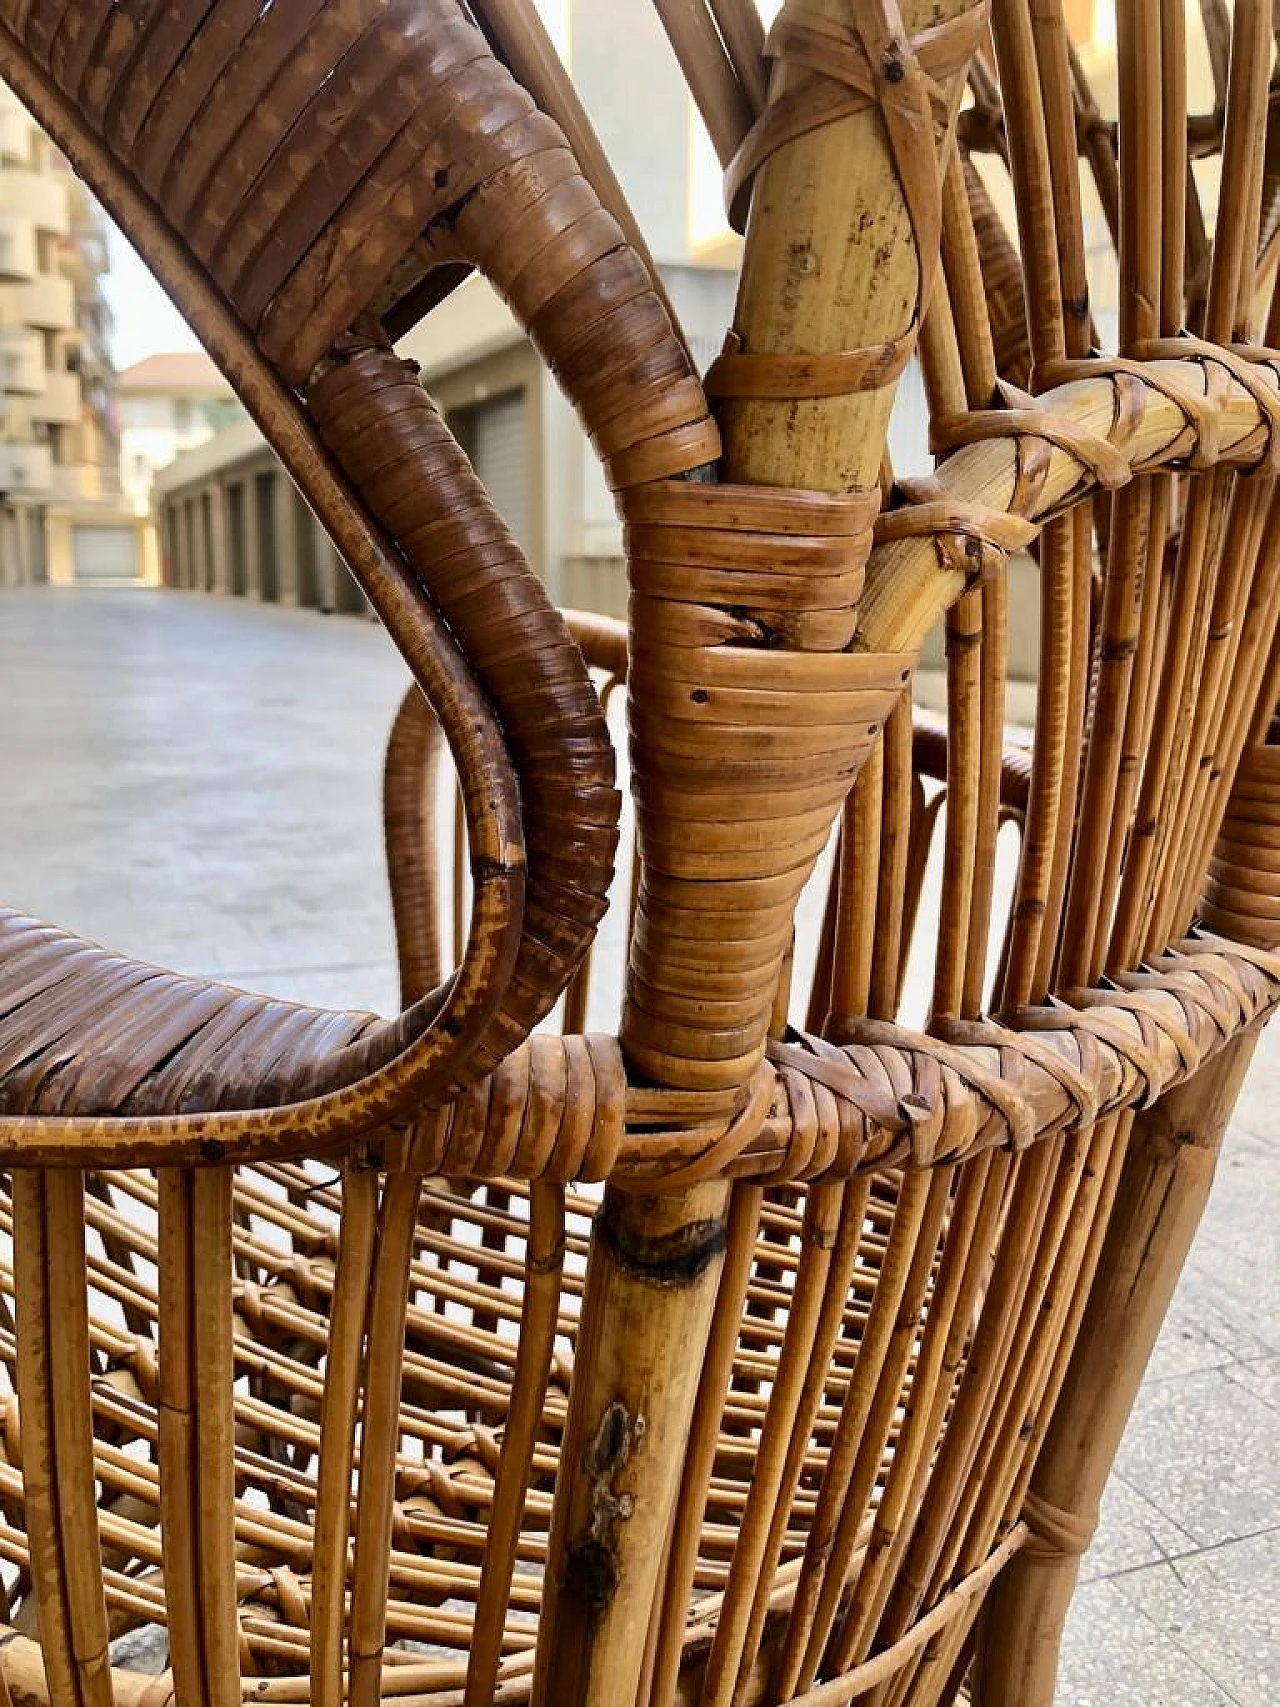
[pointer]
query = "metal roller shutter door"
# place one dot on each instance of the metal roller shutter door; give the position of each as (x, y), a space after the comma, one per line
(104, 553)
(500, 454)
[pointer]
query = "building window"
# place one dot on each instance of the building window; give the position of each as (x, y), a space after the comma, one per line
(182, 415)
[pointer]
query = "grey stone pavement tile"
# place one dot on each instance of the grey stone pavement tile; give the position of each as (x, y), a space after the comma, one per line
(197, 780)
(1219, 1606)
(1205, 1329)
(214, 804)
(1116, 1656)
(1202, 1449)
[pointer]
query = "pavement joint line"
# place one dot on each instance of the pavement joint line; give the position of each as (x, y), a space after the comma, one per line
(1208, 1546)
(1175, 1559)
(1169, 1636)
(1230, 1360)
(1271, 1404)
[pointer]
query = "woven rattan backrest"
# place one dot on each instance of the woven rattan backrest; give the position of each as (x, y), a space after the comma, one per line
(768, 1350)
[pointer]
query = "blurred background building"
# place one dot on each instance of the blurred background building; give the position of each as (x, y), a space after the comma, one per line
(62, 515)
(169, 403)
(201, 503)
(229, 520)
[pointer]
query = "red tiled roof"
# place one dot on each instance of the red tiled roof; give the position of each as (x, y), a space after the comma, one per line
(184, 372)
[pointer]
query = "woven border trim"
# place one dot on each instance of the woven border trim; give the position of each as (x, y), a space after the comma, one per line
(882, 1096)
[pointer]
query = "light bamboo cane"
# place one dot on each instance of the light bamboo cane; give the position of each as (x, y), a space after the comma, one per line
(853, 279)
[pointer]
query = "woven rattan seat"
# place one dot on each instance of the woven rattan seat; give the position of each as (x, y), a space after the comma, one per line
(772, 1344)
(87, 1032)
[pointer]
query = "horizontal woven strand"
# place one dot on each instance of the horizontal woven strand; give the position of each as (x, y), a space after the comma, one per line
(895, 1096)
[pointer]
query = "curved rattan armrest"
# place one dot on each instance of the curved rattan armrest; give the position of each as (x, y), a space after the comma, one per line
(929, 758)
(103, 1057)
(543, 728)
(410, 790)
(428, 1045)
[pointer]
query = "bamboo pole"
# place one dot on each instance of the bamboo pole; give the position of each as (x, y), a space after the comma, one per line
(822, 272)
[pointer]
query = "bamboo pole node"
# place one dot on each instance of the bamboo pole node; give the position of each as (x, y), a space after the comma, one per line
(848, 68)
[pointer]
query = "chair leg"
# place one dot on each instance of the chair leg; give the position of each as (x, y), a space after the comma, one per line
(1164, 1185)
(650, 1290)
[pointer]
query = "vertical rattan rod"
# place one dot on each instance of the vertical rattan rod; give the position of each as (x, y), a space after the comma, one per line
(1146, 880)
(725, 107)
(1129, 559)
(739, 24)
(859, 1438)
(197, 1433)
(57, 1434)
(704, 1439)
(348, 1310)
(1163, 1190)
(1217, 34)
(961, 1273)
(977, 641)
(1035, 77)
(380, 1438)
(1231, 305)
(544, 1266)
(829, 1248)
(893, 935)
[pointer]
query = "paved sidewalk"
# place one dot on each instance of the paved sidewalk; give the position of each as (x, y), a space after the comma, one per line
(196, 781)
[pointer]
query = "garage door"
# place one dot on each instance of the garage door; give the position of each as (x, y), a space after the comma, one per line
(104, 553)
(493, 434)
(502, 459)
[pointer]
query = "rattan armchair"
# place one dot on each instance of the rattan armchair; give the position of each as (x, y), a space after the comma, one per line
(728, 1358)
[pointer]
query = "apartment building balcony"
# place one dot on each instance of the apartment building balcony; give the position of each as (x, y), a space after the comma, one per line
(82, 258)
(92, 353)
(59, 401)
(41, 197)
(77, 483)
(25, 468)
(48, 302)
(17, 248)
(15, 133)
(22, 369)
